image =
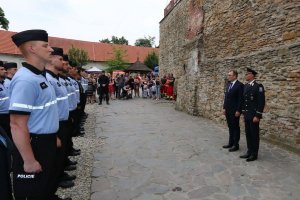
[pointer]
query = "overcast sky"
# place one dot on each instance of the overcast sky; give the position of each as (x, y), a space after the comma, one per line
(89, 20)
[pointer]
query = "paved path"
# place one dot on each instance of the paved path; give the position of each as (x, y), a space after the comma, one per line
(153, 152)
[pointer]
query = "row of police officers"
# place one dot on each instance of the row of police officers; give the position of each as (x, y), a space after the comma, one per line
(41, 109)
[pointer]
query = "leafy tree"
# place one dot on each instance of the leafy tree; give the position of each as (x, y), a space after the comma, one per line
(145, 42)
(3, 21)
(78, 56)
(118, 62)
(115, 40)
(151, 60)
(106, 40)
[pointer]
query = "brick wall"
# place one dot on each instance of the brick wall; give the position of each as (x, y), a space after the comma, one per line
(202, 39)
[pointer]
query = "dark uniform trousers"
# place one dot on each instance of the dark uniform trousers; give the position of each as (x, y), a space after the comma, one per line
(103, 93)
(254, 103)
(5, 168)
(35, 186)
(234, 129)
(64, 135)
(5, 124)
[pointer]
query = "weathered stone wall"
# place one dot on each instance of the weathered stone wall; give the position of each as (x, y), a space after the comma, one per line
(263, 34)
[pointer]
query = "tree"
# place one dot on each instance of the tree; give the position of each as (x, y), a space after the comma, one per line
(118, 62)
(115, 40)
(78, 56)
(145, 42)
(151, 60)
(3, 21)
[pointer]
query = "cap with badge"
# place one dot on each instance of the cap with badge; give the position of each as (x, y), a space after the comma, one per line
(251, 71)
(57, 51)
(30, 35)
(10, 65)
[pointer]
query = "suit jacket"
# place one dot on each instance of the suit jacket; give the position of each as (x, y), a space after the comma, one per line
(103, 80)
(233, 100)
(254, 100)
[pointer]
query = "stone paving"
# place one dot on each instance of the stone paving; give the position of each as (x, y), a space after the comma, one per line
(153, 152)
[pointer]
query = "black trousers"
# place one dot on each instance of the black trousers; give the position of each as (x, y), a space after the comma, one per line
(64, 135)
(252, 136)
(33, 186)
(5, 182)
(103, 92)
(5, 124)
(234, 129)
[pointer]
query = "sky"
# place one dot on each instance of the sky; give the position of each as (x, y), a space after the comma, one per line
(88, 20)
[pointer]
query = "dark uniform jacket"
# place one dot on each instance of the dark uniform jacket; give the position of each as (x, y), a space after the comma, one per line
(233, 100)
(254, 100)
(103, 80)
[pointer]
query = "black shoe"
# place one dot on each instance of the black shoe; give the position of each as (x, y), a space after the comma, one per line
(234, 148)
(82, 129)
(107, 103)
(70, 168)
(74, 153)
(227, 146)
(99, 103)
(245, 156)
(70, 162)
(251, 158)
(66, 184)
(77, 150)
(67, 177)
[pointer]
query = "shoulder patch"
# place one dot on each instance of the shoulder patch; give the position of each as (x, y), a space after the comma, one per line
(261, 89)
(43, 85)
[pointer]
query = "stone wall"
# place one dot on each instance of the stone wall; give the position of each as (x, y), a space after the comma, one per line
(234, 34)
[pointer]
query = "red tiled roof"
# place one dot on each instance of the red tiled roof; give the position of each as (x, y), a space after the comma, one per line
(97, 51)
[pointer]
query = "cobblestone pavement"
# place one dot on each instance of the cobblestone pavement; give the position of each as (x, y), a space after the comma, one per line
(88, 145)
(153, 152)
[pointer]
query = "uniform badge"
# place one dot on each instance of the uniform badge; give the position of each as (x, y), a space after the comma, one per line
(43, 85)
(1, 89)
(261, 89)
(58, 84)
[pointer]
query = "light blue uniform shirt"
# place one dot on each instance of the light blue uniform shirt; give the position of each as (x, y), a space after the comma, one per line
(76, 86)
(4, 99)
(7, 83)
(32, 94)
(71, 95)
(61, 96)
(84, 82)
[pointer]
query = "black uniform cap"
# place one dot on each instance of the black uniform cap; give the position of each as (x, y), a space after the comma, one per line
(251, 71)
(57, 51)
(10, 65)
(30, 35)
(66, 57)
(72, 64)
(1, 63)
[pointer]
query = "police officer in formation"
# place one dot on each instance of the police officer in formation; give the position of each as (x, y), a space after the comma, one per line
(5, 142)
(43, 100)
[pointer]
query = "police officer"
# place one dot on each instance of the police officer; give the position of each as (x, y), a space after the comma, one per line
(233, 102)
(4, 102)
(6, 147)
(52, 70)
(254, 103)
(34, 118)
(72, 98)
(11, 69)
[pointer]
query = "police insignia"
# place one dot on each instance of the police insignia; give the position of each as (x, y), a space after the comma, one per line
(261, 89)
(43, 85)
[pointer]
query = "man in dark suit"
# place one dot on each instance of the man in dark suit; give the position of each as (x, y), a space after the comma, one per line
(232, 109)
(254, 103)
(103, 82)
